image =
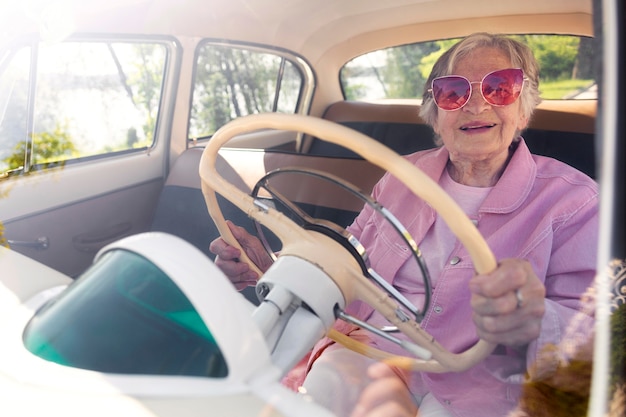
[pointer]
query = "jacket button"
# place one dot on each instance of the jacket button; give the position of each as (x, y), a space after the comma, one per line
(455, 260)
(438, 309)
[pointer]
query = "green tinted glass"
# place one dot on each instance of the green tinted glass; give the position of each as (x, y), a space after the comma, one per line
(124, 315)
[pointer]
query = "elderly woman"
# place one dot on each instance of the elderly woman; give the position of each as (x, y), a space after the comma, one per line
(538, 215)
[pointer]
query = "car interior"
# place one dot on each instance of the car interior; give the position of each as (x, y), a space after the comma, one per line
(327, 36)
(181, 209)
(61, 213)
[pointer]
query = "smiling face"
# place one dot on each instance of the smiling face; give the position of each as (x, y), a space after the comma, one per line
(478, 135)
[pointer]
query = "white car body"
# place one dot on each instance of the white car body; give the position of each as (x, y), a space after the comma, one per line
(32, 386)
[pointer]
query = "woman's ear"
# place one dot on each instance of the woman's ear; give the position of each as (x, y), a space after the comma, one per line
(435, 127)
(522, 122)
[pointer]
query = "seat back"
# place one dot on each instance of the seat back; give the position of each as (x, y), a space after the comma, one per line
(397, 126)
(566, 135)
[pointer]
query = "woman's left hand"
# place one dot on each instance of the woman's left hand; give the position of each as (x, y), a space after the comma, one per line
(508, 304)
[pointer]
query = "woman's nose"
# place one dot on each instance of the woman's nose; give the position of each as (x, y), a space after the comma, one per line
(476, 103)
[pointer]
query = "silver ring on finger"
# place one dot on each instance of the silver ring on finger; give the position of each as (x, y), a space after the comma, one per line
(519, 298)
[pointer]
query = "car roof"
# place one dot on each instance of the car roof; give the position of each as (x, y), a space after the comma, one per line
(318, 30)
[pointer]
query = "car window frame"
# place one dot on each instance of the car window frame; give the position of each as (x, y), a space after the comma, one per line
(171, 73)
(307, 89)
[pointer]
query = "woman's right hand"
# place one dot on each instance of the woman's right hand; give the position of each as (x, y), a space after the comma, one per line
(228, 261)
(385, 396)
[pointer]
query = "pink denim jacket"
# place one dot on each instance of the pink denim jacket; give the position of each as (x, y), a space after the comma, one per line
(540, 210)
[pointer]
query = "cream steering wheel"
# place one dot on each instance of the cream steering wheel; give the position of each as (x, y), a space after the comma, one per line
(326, 253)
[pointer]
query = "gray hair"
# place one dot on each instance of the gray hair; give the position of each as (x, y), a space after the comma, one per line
(519, 54)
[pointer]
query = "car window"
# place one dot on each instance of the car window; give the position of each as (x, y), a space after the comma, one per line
(118, 307)
(233, 81)
(566, 69)
(70, 100)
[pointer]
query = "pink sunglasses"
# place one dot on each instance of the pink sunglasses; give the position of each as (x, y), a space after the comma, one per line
(498, 88)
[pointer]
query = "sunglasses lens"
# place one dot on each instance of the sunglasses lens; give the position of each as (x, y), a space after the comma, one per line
(451, 92)
(501, 88)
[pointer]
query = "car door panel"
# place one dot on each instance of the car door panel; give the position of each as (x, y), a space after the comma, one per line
(66, 236)
(82, 156)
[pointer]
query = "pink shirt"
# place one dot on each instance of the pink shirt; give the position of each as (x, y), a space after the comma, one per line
(540, 210)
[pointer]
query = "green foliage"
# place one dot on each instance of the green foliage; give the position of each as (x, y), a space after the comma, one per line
(49, 149)
(556, 55)
(230, 83)
(409, 66)
(3, 240)
(559, 89)
(429, 60)
(352, 90)
(145, 82)
(618, 346)
(216, 103)
(405, 68)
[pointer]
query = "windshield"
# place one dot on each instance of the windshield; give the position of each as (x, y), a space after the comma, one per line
(124, 315)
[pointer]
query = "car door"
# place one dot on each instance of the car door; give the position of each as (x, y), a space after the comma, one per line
(83, 142)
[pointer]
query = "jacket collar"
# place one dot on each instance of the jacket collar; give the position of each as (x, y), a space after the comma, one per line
(516, 182)
(518, 176)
